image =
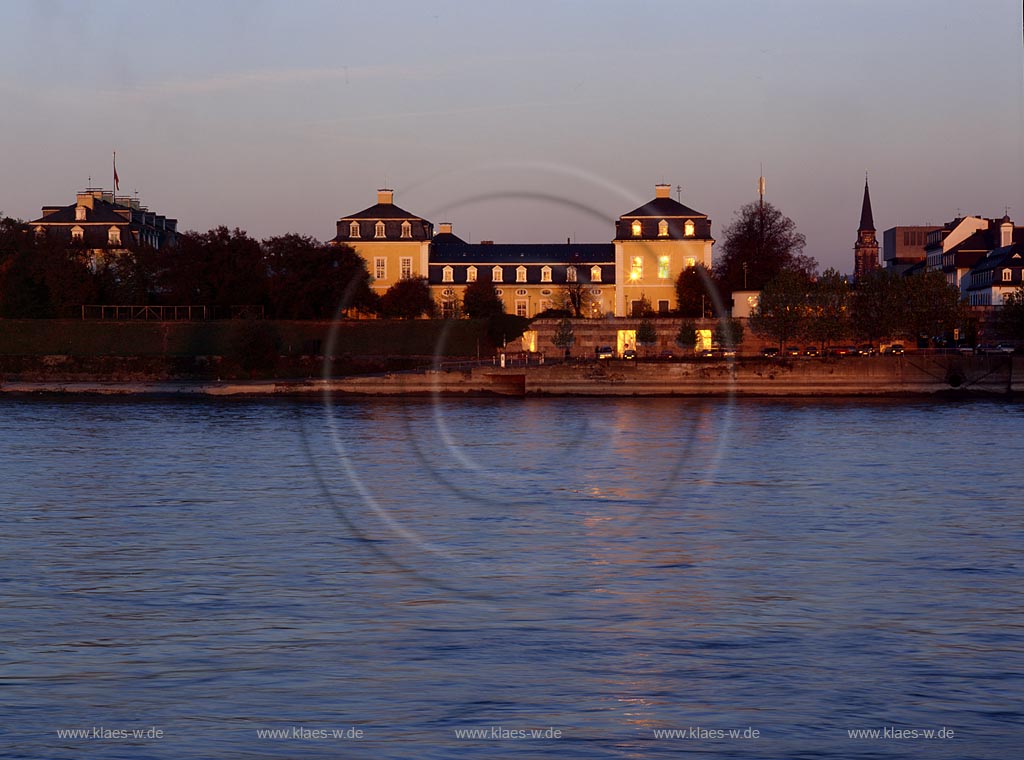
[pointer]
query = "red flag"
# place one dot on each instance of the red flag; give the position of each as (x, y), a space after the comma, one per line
(117, 182)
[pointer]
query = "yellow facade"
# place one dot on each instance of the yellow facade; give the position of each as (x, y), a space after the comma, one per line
(389, 261)
(648, 269)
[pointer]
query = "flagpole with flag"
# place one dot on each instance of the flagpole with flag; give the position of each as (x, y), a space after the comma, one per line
(117, 182)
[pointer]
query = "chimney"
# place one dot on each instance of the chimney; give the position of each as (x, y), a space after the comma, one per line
(445, 228)
(386, 195)
(662, 191)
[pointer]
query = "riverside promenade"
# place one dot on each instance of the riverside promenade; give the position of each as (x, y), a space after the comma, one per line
(909, 375)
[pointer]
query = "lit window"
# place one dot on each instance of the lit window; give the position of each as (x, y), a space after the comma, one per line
(405, 266)
(595, 274)
(690, 262)
(40, 231)
(447, 275)
(688, 228)
(638, 228)
(520, 274)
(496, 274)
(545, 274)
(636, 268)
(1007, 275)
(114, 236)
(77, 233)
(406, 230)
(663, 267)
(521, 308)
(499, 292)
(471, 274)
(378, 230)
(380, 268)
(522, 292)
(662, 228)
(570, 274)
(353, 229)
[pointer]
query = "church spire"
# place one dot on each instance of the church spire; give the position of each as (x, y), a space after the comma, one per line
(866, 220)
(865, 251)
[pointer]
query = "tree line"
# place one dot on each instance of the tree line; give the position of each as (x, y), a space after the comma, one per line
(290, 276)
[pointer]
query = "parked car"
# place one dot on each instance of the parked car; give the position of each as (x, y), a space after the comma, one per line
(729, 352)
(811, 351)
(792, 350)
(1005, 348)
(769, 352)
(605, 352)
(896, 349)
(629, 353)
(842, 351)
(866, 349)
(666, 356)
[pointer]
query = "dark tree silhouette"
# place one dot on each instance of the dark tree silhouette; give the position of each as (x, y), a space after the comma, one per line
(312, 280)
(480, 300)
(408, 299)
(760, 243)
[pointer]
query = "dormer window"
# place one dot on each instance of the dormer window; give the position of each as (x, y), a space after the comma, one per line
(114, 236)
(545, 274)
(353, 230)
(471, 274)
(1007, 275)
(79, 213)
(520, 274)
(595, 274)
(688, 228)
(447, 275)
(570, 274)
(77, 233)
(496, 274)
(662, 228)
(638, 229)
(406, 230)
(378, 230)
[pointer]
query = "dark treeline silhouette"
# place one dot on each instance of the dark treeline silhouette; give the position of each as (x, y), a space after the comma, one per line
(290, 276)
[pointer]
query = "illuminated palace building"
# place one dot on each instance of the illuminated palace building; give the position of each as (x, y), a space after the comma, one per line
(652, 245)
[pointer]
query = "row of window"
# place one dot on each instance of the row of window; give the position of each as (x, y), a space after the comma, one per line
(449, 293)
(636, 267)
(638, 228)
(498, 274)
(378, 230)
(380, 268)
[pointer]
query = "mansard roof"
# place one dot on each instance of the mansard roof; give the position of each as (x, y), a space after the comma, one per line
(662, 208)
(100, 213)
(382, 211)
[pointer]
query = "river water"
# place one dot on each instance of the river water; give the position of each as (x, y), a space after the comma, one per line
(439, 579)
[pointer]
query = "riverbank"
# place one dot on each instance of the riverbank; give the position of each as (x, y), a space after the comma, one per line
(910, 375)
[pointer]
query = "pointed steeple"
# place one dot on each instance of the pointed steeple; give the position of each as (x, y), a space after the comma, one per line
(866, 220)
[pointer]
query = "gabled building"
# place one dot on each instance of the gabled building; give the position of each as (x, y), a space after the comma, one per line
(101, 223)
(960, 245)
(395, 243)
(653, 244)
(997, 275)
